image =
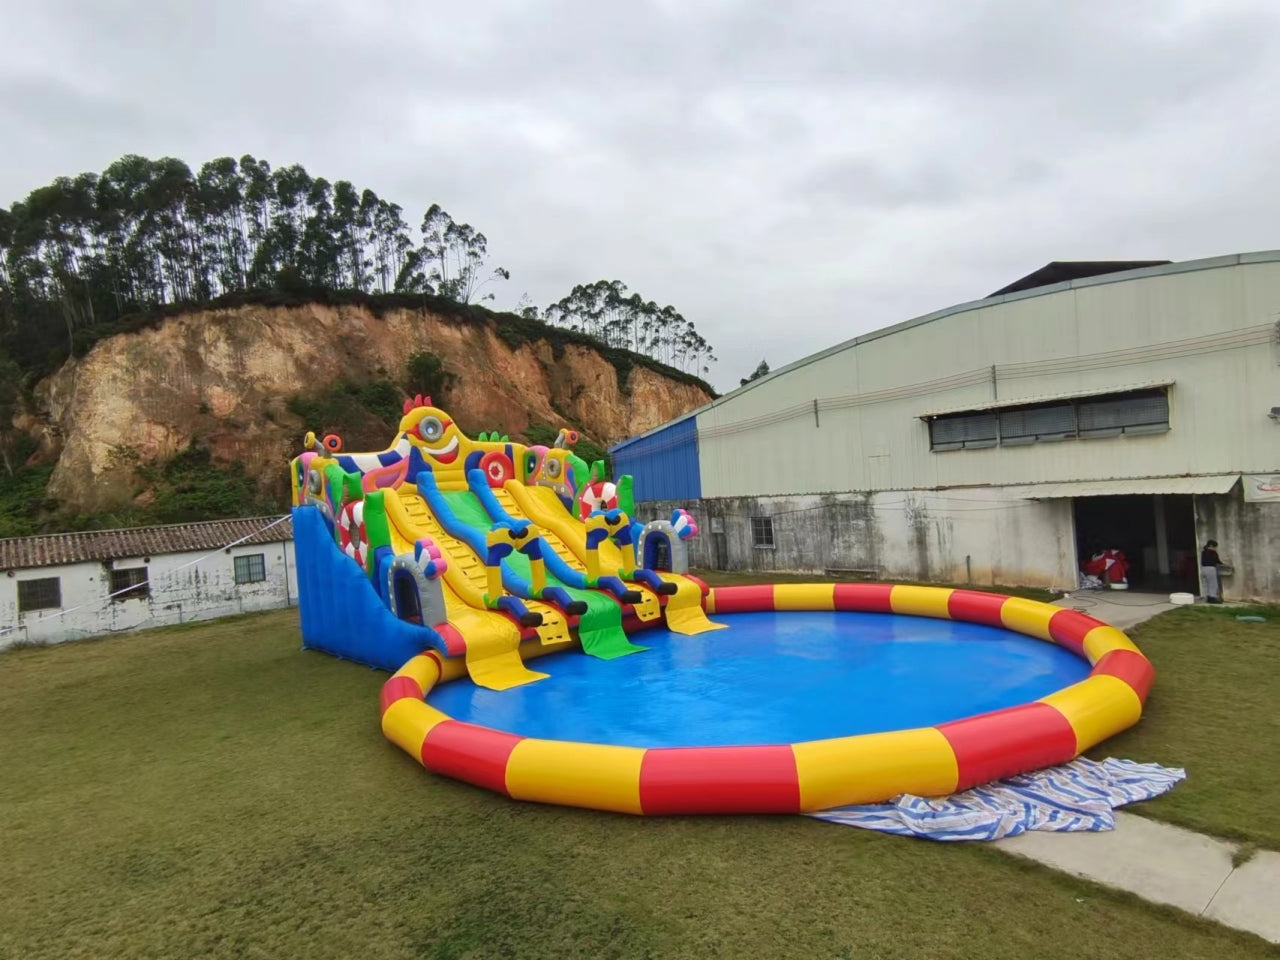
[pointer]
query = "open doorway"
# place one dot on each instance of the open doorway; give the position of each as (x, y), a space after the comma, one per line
(657, 551)
(1156, 533)
(408, 599)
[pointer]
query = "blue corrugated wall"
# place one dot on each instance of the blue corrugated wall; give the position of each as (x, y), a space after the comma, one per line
(664, 464)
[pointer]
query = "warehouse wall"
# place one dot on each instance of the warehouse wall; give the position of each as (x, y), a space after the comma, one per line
(1248, 536)
(968, 536)
(664, 464)
(848, 419)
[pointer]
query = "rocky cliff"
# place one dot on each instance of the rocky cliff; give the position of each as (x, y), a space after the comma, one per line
(224, 378)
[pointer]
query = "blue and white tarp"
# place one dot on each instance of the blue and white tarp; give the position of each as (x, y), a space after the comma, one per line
(1079, 796)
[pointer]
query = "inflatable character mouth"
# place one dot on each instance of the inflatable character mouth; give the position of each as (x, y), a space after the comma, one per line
(446, 454)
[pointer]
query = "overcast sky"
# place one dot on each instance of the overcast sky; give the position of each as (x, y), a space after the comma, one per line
(785, 180)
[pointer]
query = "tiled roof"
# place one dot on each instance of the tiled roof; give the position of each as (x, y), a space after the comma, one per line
(18, 553)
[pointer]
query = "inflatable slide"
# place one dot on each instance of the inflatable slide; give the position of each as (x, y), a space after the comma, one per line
(485, 551)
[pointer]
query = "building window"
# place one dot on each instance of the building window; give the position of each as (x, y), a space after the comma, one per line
(1085, 418)
(251, 569)
(1138, 413)
(129, 583)
(42, 594)
(1029, 424)
(964, 431)
(762, 532)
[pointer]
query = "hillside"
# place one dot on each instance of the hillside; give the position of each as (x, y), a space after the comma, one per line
(191, 409)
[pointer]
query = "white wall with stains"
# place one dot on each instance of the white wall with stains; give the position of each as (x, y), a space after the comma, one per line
(965, 536)
(183, 587)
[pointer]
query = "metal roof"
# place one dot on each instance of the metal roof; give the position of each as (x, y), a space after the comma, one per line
(55, 549)
(1112, 488)
(1058, 271)
(1047, 398)
(1168, 269)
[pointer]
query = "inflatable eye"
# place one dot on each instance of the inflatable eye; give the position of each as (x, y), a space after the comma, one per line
(430, 428)
(530, 464)
(553, 469)
(333, 443)
(315, 483)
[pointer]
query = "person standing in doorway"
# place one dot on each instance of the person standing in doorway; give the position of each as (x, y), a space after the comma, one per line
(1209, 563)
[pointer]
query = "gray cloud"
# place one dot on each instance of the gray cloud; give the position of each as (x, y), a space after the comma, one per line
(787, 179)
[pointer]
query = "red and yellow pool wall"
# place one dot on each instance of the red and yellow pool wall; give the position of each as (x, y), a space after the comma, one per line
(798, 777)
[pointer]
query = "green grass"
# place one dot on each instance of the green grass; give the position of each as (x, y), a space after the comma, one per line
(1215, 710)
(213, 791)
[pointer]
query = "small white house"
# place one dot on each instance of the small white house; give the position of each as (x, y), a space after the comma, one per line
(70, 586)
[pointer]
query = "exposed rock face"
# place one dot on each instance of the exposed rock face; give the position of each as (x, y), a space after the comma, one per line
(224, 377)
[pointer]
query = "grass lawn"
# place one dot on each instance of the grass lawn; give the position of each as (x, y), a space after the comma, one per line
(213, 791)
(1215, 709)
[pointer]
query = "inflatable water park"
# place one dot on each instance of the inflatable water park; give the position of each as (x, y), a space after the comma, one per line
(546, 643)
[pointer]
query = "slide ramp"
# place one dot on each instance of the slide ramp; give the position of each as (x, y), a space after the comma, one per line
(492, 639)
(599, 628)
(684, 610)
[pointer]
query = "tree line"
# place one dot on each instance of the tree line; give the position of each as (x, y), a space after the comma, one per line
(83, 252)
(604, 310)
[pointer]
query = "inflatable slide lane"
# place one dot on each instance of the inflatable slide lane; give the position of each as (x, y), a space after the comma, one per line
(482, 553)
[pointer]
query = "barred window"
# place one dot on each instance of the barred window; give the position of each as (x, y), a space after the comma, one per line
(1134, 414)
(129, 583)
(42, 594)
(1029, 424)
(966, 430)
(1103, 415)
(251, 569)
(762, 532)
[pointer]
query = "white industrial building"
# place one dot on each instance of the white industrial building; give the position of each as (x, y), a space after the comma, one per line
(70, 586)
(1087, 406)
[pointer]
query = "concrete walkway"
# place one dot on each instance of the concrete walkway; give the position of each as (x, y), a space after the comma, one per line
(1157, 861)
(1166, 864)
(1120, 608)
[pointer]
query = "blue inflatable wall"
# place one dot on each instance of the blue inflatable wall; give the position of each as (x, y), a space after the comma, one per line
(341, 611)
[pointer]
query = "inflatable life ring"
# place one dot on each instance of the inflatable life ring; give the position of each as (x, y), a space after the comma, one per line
(352, 536)
(601, 495)
(498, 468)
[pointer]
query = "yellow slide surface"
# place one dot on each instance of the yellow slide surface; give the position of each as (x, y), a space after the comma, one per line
(493, 640)
(544, 508)
(647, 608)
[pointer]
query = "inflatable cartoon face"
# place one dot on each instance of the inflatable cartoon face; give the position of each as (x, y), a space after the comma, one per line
(431, 431)
(557, 473)
(531, 463)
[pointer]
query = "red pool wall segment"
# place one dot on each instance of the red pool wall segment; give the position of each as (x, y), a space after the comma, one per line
(1133, 668)
(398, 688)
(1068, 628)
(1008, 742)
(749, 599)
(468, 752)
(974, 606)
(719, 780)
(864, 597)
